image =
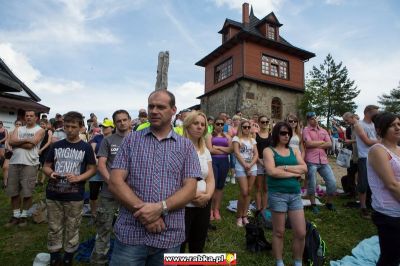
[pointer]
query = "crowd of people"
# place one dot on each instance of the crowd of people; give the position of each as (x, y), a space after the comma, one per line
(166, 176)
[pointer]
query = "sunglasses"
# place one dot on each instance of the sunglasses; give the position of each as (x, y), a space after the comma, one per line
(264, 122)
(219, 124)
(292, 121)
(246, 127)
(283, 133)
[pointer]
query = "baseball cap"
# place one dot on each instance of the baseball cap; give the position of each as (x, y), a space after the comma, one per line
(310, 115)
(107, 123)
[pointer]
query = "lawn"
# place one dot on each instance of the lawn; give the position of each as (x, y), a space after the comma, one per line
(341, 230)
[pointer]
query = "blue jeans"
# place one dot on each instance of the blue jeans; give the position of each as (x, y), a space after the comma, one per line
(326, 173)
(130, 255)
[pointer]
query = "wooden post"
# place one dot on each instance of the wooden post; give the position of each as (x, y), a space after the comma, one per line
(162, 71)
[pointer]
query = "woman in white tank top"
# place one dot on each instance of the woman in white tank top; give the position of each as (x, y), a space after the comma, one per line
(384, 180)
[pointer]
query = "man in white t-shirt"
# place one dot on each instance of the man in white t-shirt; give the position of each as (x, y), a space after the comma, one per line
(24, 163)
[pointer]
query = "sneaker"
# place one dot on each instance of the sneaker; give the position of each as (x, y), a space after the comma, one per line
(233, 180)
(330, 207)
(212, 218)
(13, 221)
(315, 209)
(245, 220)
(23, 222)
(365, 213)
(239, 222)
(217, 216)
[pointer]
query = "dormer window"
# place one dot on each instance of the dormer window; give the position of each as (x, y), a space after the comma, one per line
(271, 32)
(274, 67)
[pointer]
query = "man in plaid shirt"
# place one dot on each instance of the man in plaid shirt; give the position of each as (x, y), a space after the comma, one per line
(154, 176)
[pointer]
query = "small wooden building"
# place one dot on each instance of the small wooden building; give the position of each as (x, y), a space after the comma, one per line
(15, 98)
(254, 70)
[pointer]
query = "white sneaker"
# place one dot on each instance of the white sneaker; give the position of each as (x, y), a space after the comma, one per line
(239, 222)
(233, 180)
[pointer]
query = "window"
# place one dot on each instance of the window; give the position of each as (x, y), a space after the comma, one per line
(271, 32)
(223, 71)
(276, 108)
(274, 67)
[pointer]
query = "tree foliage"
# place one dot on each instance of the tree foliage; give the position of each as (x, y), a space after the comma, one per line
(391, 102)
(329, 92)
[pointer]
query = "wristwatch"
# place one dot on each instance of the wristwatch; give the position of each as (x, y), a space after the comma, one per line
(285, 168)
(164, 208)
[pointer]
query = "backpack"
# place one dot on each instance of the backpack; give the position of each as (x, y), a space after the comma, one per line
(255, 238)
(315, 248)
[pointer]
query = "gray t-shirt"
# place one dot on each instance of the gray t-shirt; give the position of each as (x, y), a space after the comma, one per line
(109, 148)
(363, 148)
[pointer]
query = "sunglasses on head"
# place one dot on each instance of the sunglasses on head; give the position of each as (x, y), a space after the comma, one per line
(292, 121)
(219, 124)
(284, 133)
(264, 121)
(246, 127)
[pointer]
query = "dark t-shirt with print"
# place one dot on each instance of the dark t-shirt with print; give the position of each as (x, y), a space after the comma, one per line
(66, 158)
(109, 148)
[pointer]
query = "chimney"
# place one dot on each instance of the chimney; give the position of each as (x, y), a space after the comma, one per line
(245, 14)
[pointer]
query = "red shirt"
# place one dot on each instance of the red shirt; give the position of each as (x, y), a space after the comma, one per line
(316, 155)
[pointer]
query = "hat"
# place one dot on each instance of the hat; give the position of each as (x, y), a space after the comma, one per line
(107, 123)
(310, 115)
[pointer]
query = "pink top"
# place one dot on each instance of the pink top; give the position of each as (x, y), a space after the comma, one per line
(382, 200)
(315, 155)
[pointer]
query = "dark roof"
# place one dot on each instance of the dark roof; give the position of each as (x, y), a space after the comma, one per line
(251, 32)
(10, 83)
(22, 103)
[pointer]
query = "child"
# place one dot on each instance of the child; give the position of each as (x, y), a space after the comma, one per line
(69, 163)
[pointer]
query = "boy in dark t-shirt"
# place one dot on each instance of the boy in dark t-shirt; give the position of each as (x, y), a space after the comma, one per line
(69, 163)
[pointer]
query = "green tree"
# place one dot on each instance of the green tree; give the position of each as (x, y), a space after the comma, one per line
(391, 102)
(329, 92)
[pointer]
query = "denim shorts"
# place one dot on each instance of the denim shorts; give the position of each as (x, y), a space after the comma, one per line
(284, 202)
(260, 169)
(240, 173)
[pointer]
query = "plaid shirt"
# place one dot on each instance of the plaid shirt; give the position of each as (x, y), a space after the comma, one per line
(316, 155)
(156, 170)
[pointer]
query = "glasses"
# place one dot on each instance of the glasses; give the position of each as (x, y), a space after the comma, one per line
(246, 127)
(283, 133)
(264, 122)
(219, 124)
(292, 121)
(18, 124)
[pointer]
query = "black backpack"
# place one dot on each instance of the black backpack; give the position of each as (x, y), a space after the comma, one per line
(255, 238)
(315, 248)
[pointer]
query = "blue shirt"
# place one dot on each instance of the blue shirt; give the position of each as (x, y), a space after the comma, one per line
(156, 170)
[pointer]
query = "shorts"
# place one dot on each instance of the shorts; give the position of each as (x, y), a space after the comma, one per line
(244, 174)
(21, 180)
(284, 202)
(362, 182)
(260, 169)
(240, 171)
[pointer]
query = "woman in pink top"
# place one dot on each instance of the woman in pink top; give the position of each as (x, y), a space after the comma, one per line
(384, 180)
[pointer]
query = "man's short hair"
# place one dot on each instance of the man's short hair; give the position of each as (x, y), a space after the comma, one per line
(347, 115)
(74, 117)
(370, 108)
(28, 110)
(120, 111)
(170, 94)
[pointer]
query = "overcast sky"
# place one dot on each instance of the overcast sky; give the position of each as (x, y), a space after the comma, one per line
(101, 55)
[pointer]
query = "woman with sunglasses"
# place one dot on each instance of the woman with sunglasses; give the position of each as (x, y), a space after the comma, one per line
(197, 212)
(220, 146)
(246, 154)
(284, 166)
(263, 141)
(296, 139)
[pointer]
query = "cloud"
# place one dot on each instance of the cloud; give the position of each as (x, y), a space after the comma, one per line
(334, 2)
(186, 94)
(26, 72)
(260, 7)
(67, 22)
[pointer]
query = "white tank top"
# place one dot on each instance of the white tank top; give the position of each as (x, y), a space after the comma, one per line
(295, 142)
(25, 156)
(369, 129)
(382, 200)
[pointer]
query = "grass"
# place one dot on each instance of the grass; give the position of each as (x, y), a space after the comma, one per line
(341, 230)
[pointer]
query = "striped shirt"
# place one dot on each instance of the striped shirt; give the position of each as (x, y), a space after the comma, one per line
(156, 170)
